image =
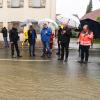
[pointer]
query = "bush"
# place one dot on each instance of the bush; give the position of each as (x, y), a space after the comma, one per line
(74, 34)
(98, 19)
(97, 41)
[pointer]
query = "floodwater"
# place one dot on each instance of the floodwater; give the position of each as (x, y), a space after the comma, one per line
(48, 79)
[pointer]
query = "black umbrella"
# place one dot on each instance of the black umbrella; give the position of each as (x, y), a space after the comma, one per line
(93, 25)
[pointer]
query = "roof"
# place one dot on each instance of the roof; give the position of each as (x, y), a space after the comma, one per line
(92, 15)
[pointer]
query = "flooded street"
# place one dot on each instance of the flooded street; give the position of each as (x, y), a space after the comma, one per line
(48, 79)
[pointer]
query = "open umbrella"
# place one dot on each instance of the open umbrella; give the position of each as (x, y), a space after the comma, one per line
(34, 21)
(48, 21)
(62, 20)
(69, 21)
(28, 22)
(94, 26)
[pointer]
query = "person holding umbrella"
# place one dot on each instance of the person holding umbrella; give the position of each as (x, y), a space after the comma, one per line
(65, 40)
(45, 38)
(85, 40)
(32, 40)
(58, 40)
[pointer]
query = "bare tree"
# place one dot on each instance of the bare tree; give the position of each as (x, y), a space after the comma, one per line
(89, 7)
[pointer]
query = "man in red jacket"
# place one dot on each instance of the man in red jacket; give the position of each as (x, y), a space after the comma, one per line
(85, 40)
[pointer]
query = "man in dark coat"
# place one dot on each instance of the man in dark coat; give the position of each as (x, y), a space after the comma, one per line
(5, 36)
(65, 40)
(58, 40)
(13, 35)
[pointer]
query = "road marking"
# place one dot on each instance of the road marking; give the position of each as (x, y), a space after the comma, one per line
(25, 60)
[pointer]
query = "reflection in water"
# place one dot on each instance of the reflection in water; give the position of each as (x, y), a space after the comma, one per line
(51, 80)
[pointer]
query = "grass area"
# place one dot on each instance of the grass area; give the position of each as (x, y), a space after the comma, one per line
(97, 41)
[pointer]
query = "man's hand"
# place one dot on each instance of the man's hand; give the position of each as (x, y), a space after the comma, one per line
(86, 34)
(77, 42)
(59, 42)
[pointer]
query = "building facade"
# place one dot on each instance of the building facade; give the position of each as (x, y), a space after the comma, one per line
(20, 10)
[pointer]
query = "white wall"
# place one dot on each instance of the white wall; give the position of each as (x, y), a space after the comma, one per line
(20, 14)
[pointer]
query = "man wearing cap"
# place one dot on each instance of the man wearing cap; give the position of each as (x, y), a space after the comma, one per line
(45, 38)
(65, 40)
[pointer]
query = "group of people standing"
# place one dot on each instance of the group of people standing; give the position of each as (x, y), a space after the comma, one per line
(46, 37)
(85, 39)
(63, 39)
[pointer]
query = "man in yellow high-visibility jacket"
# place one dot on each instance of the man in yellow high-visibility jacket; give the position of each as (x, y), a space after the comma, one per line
(25, 32)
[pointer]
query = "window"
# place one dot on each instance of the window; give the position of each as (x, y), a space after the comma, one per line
(1, 3)
(37, 3)
(15, 3)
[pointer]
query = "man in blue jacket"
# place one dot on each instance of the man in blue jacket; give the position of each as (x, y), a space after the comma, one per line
(45, 38)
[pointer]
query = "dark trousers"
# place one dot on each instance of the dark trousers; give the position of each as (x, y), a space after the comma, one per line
(15, 46)
(59, 49)
(32, 48)
(64, 50)
(6, 42)
(84, 52)
(79, 50)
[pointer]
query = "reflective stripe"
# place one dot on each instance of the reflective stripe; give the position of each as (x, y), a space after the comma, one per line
(85, 43)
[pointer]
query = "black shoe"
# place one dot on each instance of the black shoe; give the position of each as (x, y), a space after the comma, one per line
(57, 53)
(86, 62)
(43, 56)
(34, 55)
(65, 60)
(81, 61)
(60, 59)
(19, 56)
(13, 56)
(49, 56)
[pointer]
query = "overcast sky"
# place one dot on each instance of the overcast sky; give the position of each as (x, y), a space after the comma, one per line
(69, 7)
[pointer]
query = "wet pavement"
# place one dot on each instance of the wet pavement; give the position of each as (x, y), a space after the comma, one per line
(49, 79)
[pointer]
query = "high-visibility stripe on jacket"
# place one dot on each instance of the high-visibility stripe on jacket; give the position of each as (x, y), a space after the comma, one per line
(86, 39)
(25, 31)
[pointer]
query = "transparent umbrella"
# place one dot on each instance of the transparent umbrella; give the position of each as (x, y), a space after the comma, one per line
(48, 21)
(69, 21)
(28, 22)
